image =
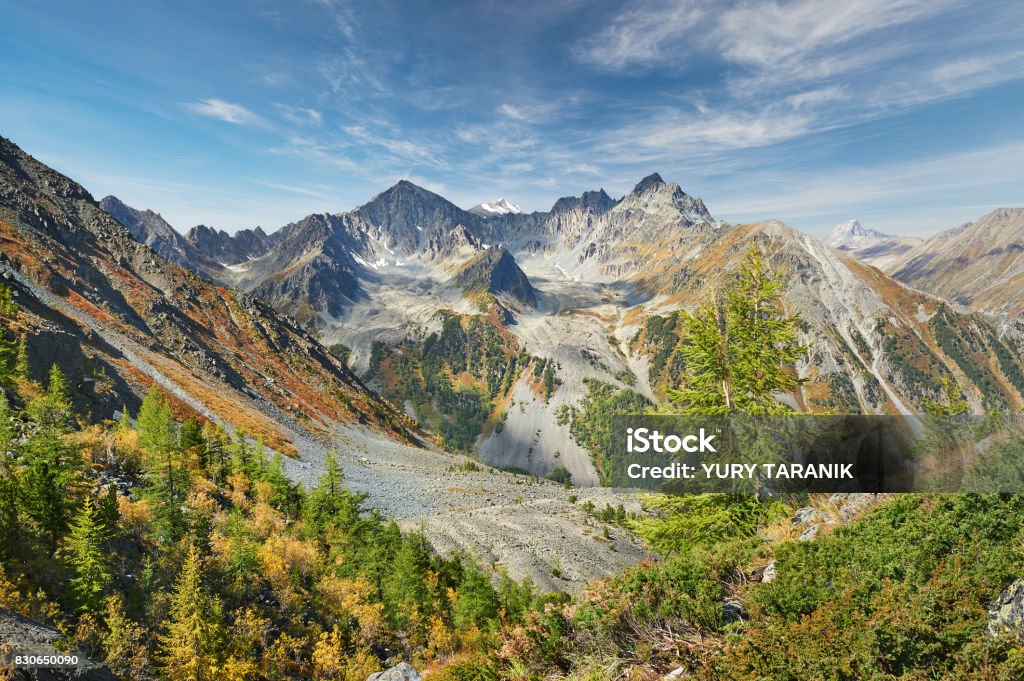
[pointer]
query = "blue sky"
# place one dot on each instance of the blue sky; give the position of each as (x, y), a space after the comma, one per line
(905, 114)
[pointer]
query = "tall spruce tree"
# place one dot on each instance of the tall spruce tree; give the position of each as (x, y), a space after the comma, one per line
(740, 354)
(158, 436)
(190, 646)
(86, 559)
(21, 367)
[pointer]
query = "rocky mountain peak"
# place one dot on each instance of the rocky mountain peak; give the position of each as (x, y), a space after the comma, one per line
(402, 217)
(652, 196)
(597, 203)
(228, 249)
(652, 181)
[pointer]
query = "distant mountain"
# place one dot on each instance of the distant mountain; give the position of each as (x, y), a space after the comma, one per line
(979, 264)
(151, 229)
(851, 235)
(120, 319)
(230, 249)
(499, 206)
(869, 245)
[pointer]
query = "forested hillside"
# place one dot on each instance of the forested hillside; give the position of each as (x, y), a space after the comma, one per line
(175, 550)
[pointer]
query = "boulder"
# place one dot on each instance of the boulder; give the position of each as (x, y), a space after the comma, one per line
(808, 515)
(20, 635)
(1006, 616)
(400, 672)
(810, 534)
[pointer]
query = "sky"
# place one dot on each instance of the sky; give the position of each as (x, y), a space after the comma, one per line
(904, 114)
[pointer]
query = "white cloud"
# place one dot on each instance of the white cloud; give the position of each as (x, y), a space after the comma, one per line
(226, 111)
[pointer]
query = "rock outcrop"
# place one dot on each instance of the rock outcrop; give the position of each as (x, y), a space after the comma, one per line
(400, 672)
(20, 635)
(1006, 615)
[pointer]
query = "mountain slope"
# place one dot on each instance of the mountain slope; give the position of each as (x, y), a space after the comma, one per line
(980, 264)
(138, 320)
(495, 271)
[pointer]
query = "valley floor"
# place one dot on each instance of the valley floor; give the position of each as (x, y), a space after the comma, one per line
(526, 526)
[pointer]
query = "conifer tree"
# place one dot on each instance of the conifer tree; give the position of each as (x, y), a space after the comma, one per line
(169, 484)
(331, 502)
(476, 603)
(85, 556)
(407, 591)
(194, 630)
(126, 652)
(740, 355)
(951, 403)
(109, 512)
(8, 308)
(9, 502)
(8, 358)
(214, 451)
(191, 439)
(57, 386)
(21, 367)
(279, 482)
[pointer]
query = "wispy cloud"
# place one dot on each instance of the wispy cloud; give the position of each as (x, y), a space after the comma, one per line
(642, 35)
(298, 115)
(979, 180)
(404, 149)
(227, 112)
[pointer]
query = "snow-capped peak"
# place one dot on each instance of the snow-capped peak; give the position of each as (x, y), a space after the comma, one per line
(499, 206)
(852, 234)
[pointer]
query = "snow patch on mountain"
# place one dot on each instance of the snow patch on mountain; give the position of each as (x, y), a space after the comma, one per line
(499, 206)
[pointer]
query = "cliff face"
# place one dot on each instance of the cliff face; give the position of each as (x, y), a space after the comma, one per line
(495, 271)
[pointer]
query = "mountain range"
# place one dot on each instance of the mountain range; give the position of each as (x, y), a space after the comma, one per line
(120, 319)
(493, 330)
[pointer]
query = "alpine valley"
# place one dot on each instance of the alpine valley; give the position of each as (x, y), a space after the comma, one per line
(512, 336)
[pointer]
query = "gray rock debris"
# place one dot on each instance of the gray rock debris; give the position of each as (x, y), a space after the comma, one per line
(808, 515)
(1006, 616)
(400, 672)
(810, 534)
(19, 634)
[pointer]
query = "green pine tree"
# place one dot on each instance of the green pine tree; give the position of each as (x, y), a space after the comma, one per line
(193, 638)
(740, 355)
(57, 387)
(86, 559)
(951, 403)
(21, 366)
(476, 602)
(158, 436)
(124, 643)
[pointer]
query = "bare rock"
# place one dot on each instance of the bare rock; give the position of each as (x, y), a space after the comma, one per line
(20, 635)
(400, 672)
(1006, 616)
